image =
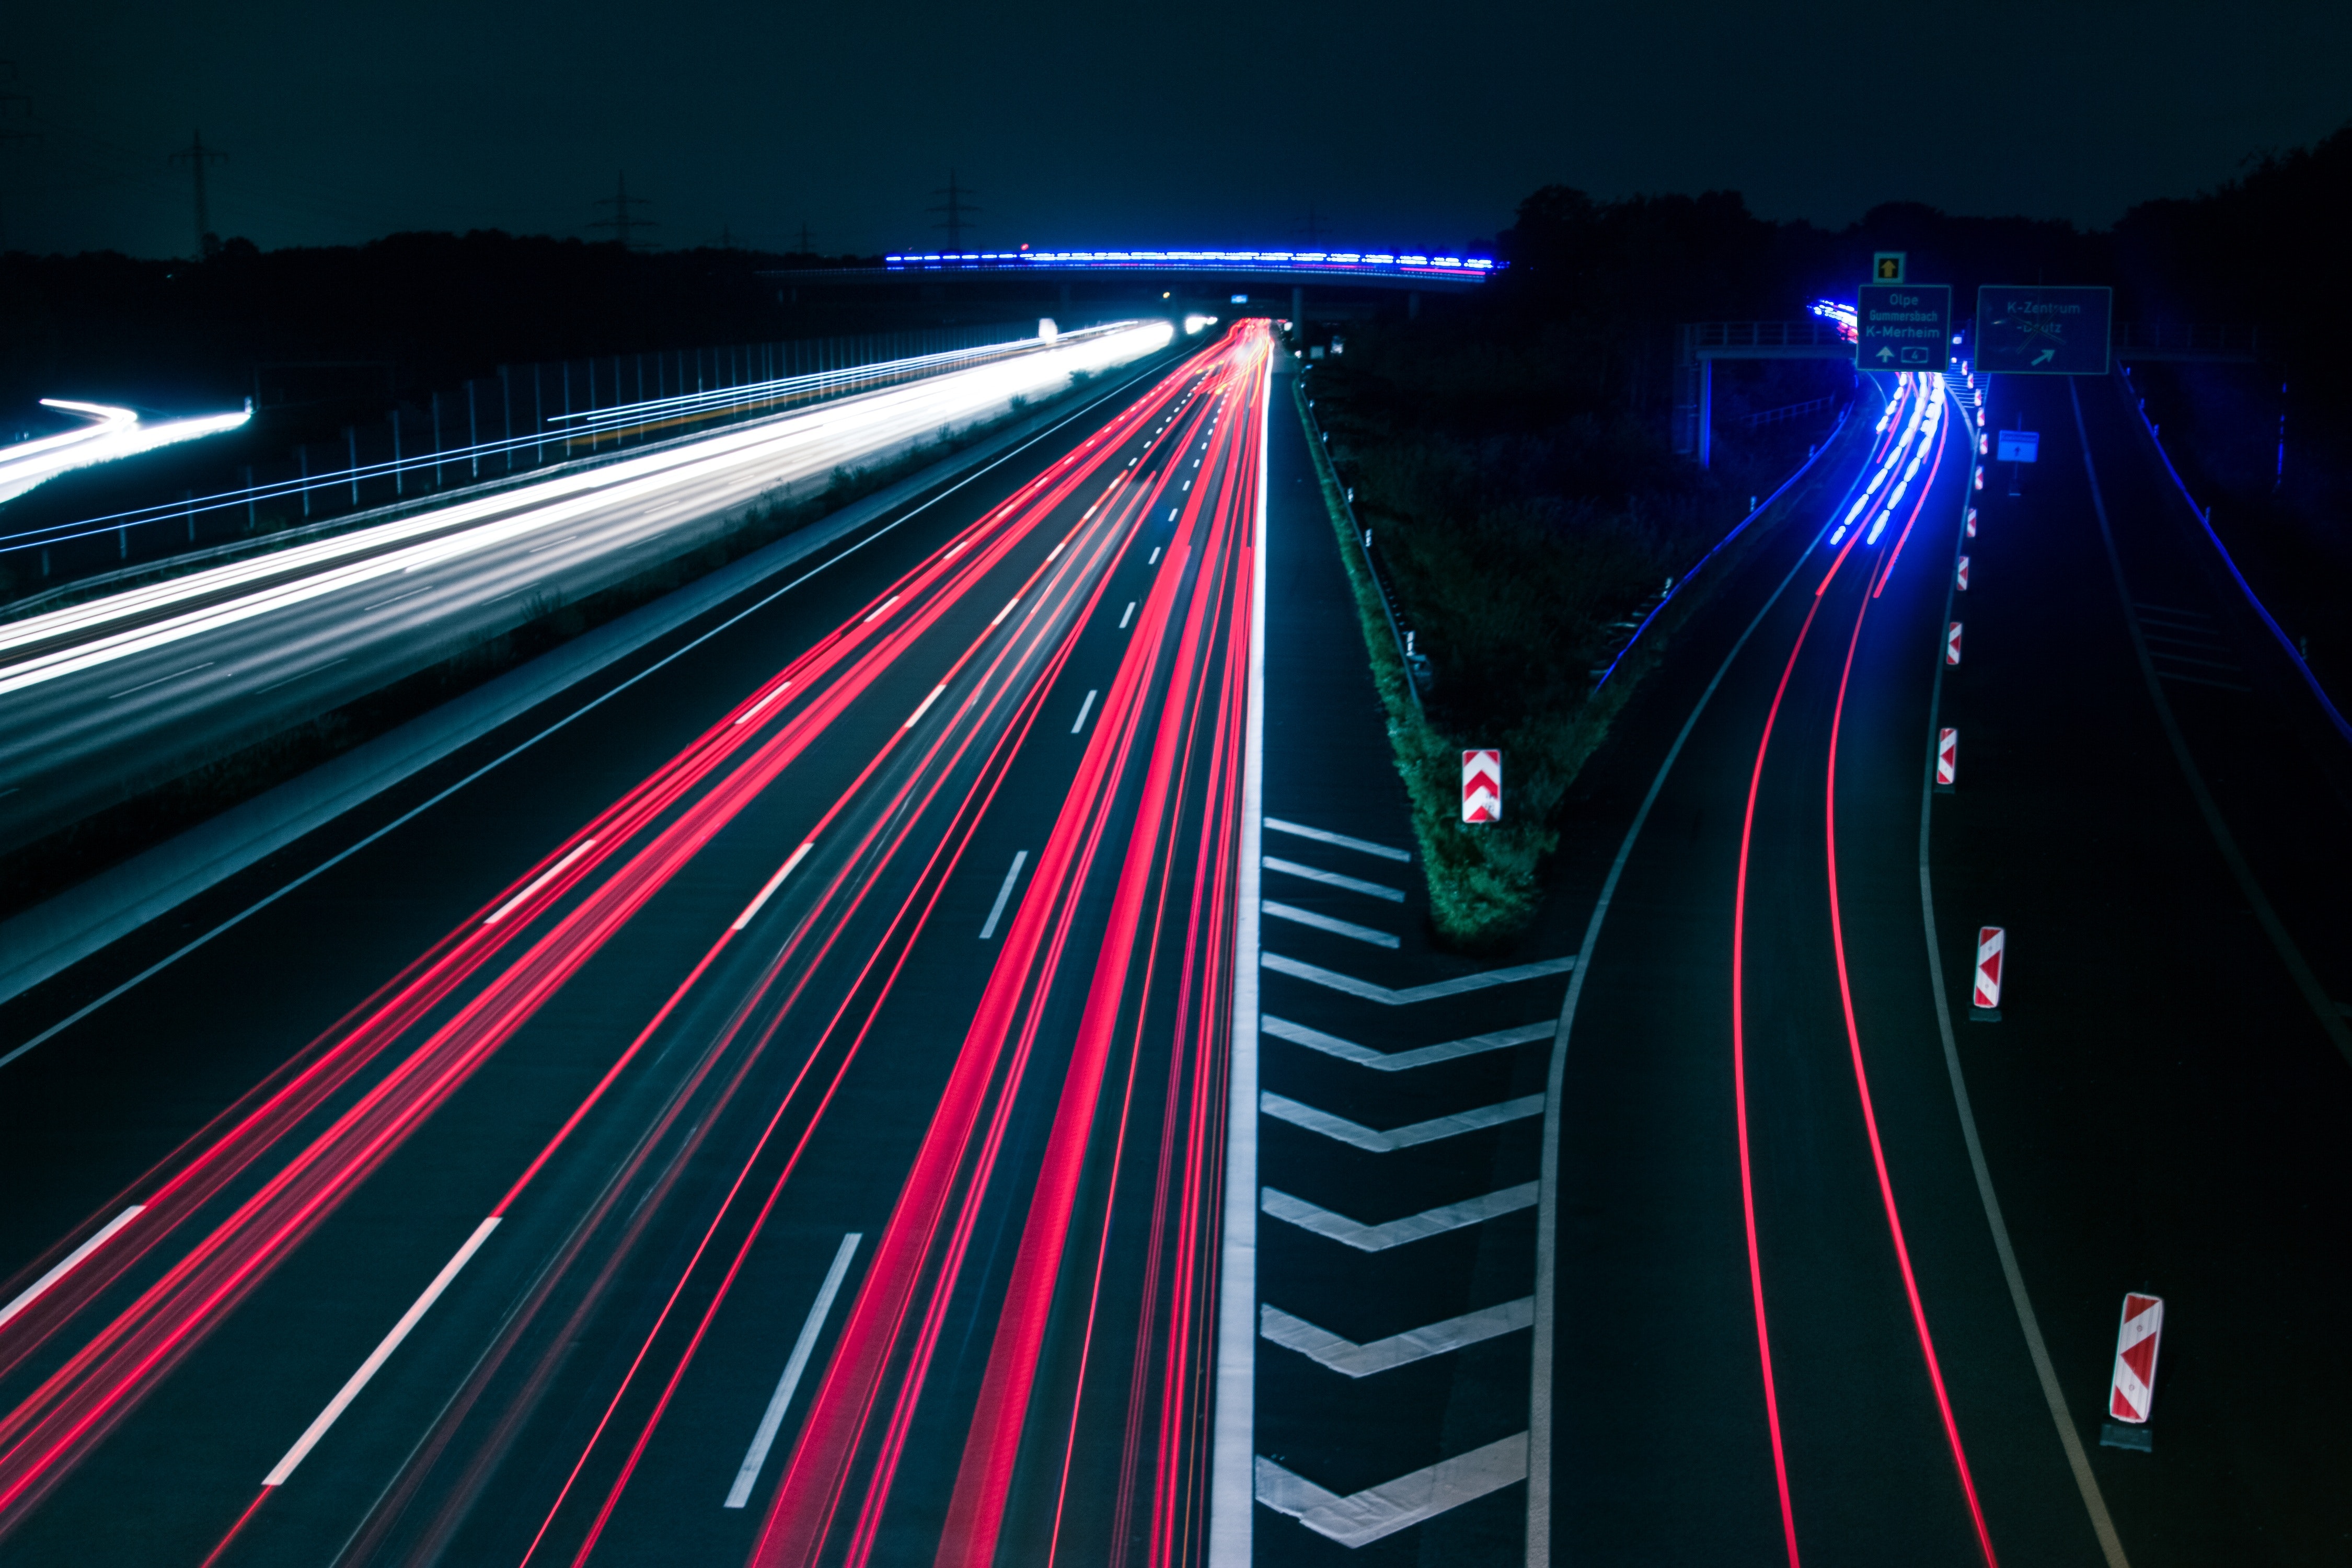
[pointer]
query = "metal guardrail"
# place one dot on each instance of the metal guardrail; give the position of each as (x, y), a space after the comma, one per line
(1811, 338)
(1415, 663)
(1792, 411)
(2204, 516)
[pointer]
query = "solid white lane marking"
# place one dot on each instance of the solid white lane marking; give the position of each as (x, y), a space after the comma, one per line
(996, 909)
(34, 1292)
(877, 612)
(1083, 708)
(1128, 617)
(923, 707)
(774, 883)
(542, 880)
(763, 701)
(299, 675)
(1383, 1510)
(1232, 1447)
(1333, 880)
(160, 679)
(376, 1358)
(1324, 922)
(1340, 839)
(1349, 1359)
(1398, 1062)
(1412, 1227)
(1282, 1108)
(1006, 611)
(1410, 993)
(757, 1455)
(1155, 557)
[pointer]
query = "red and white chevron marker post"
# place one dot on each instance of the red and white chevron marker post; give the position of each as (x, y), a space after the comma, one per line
(1482, 786)
(1947, 760)
(1972, 523)
(1993, 956)
(1964, 574)
(1952, 643)
(2132, 1389)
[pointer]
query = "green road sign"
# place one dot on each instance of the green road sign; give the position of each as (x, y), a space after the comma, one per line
(2025, 329)
(1904, 327)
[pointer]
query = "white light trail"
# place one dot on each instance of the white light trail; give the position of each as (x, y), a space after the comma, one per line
(740, 463)
(111, 432)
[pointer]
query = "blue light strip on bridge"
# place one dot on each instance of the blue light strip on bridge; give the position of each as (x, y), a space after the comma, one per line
(1385, 263)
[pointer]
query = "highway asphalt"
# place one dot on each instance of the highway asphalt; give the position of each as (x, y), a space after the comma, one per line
(2155, 1107)
(1009, 743)
(907, 996)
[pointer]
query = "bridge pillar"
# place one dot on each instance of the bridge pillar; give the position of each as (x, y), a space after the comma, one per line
(1706, 410)
(1298, 311)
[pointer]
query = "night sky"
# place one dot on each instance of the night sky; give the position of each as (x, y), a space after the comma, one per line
(1406, 125)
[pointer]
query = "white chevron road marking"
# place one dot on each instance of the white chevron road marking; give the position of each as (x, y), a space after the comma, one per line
(1419, 1226)
(1324, 922)
(1398, 1062)
(1333, 880)
(1340, 839)
(1286, 1109)
(1430, 993)
(1383, 1510)
(1351, 1360)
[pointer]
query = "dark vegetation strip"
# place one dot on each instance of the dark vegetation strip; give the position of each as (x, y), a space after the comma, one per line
(1537, 600)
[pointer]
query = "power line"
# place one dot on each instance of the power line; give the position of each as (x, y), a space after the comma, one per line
(956, 208)
(196, 155)
(621, 223)
(808, 245)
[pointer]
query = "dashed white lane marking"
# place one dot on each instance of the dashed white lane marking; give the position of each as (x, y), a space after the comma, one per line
(1411, 1227)
(1333, 880)
(1155, 557)
(1128, 617)
(773, 882)
(1340, 839)
(877, 612)
(757, 1455)
(1324, 922)
(1398, 1062)
(922, 708)
(770, 697)
(1282, 1108)
(1429, 992)
(72, 1261)
(1004, 894)
(160, 679)
(1349, 1359)
(542, 880)
(1383, 1510)
(284, 1468)
(299, 675)
(1083, 708)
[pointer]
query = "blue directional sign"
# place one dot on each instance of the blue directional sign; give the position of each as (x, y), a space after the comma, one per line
(2018, 446)
(2026, 329)
(1904, 326)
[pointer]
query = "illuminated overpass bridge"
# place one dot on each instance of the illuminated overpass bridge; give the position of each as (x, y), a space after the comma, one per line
(1326, 285)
